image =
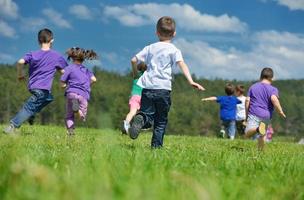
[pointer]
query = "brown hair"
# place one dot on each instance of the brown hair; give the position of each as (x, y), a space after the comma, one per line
(142, 67)
(266, 73)
(229, 89)
(81, 54)
(45, 36)
(240, 89)
(166, 27)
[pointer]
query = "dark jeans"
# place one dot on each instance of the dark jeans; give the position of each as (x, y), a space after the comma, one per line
(38, 100)
(155, 106)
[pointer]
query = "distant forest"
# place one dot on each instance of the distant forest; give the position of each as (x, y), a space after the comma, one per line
(188, 115)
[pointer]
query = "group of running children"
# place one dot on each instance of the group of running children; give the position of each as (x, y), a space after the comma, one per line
(150, 97)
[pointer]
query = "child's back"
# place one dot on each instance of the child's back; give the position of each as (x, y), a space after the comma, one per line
(42, 68)
(260, 99)
(160, 57)
(78, 79)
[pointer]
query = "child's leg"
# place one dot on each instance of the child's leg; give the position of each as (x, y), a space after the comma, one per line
(251, 127)
(38, 100)
(261, 142)
(69, 118)
(134, 104)
(83, 107)
(231, 129)
(144, 118)
(162, 107)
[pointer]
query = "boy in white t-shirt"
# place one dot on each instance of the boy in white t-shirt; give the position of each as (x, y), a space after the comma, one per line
(160, 58)
(240, 110)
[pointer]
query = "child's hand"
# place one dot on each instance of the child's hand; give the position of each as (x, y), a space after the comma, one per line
(282, 114)
(21, 78)
(197, 86)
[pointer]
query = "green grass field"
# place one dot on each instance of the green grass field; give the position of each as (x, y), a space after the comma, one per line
(42, 163)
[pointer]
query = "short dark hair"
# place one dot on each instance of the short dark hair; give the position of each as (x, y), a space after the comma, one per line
(266, 73)
(45, 36)
(166, 27)
(240, 89)
(229, 89)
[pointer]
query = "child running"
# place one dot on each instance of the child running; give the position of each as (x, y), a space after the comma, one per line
(261, 100)
(77, 80)
(240, 110)
(227, 109)
(160, 58)
(135, 99)
(43, 64)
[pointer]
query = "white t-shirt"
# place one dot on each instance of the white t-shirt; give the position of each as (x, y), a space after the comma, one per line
(240, 109)
(160, 58)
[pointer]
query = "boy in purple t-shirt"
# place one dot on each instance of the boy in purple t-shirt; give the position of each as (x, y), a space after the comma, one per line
(43, 64)
(77, 80)
(227, 109)
(261, 100)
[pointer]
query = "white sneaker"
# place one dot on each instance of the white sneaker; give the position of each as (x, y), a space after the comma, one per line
(125, 127)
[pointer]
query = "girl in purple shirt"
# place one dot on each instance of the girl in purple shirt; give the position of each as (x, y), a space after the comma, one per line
(77, 80)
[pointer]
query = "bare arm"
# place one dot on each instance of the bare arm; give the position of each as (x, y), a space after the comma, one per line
(134, 66)
(63, 84)
(275, 101)
(20, 73)
(93, 79)
(61, 71)
(209, 99)
(183, 66)
(247, 101)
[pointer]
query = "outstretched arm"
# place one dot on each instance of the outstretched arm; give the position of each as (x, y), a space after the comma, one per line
(275, 101)
(183, 66)
(20, 73)
(209, 99)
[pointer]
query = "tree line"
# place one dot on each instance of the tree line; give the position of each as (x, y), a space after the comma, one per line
(109, 103)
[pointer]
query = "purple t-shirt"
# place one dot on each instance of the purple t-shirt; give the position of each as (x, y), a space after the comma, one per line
(260, 100)
(43, 65)
(78, 79)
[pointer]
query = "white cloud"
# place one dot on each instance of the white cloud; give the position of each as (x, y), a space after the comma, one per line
(6, 58)
(292, 4)
(32, 24)
(6, 30)
(281, 51)
(81, 11)
(56, 18)
(186, 16)
(8, 9)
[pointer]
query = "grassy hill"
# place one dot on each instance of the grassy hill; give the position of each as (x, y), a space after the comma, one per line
(42, 163)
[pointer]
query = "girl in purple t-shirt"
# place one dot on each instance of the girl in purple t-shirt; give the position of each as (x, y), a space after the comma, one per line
(77, 80)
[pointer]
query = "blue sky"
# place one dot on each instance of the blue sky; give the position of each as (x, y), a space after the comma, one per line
(231, 39)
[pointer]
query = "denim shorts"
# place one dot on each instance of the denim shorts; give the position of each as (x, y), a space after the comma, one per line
(253, 122)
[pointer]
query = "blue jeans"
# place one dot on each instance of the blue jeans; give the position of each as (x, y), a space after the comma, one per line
(38, 100)
(155, 106)
(229, 126)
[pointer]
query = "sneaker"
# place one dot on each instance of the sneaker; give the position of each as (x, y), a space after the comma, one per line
(31, 120)
(136, 125)
(125, 127)
(70, 132)
(222, 133)
(75, 105)
(262, 128)
(10, 130)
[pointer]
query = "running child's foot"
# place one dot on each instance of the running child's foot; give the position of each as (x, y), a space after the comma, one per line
(75, 105)
(125, 127)
(10, 130)
(136, 125)
(70, 132)
(31, 120)
(262, 129)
